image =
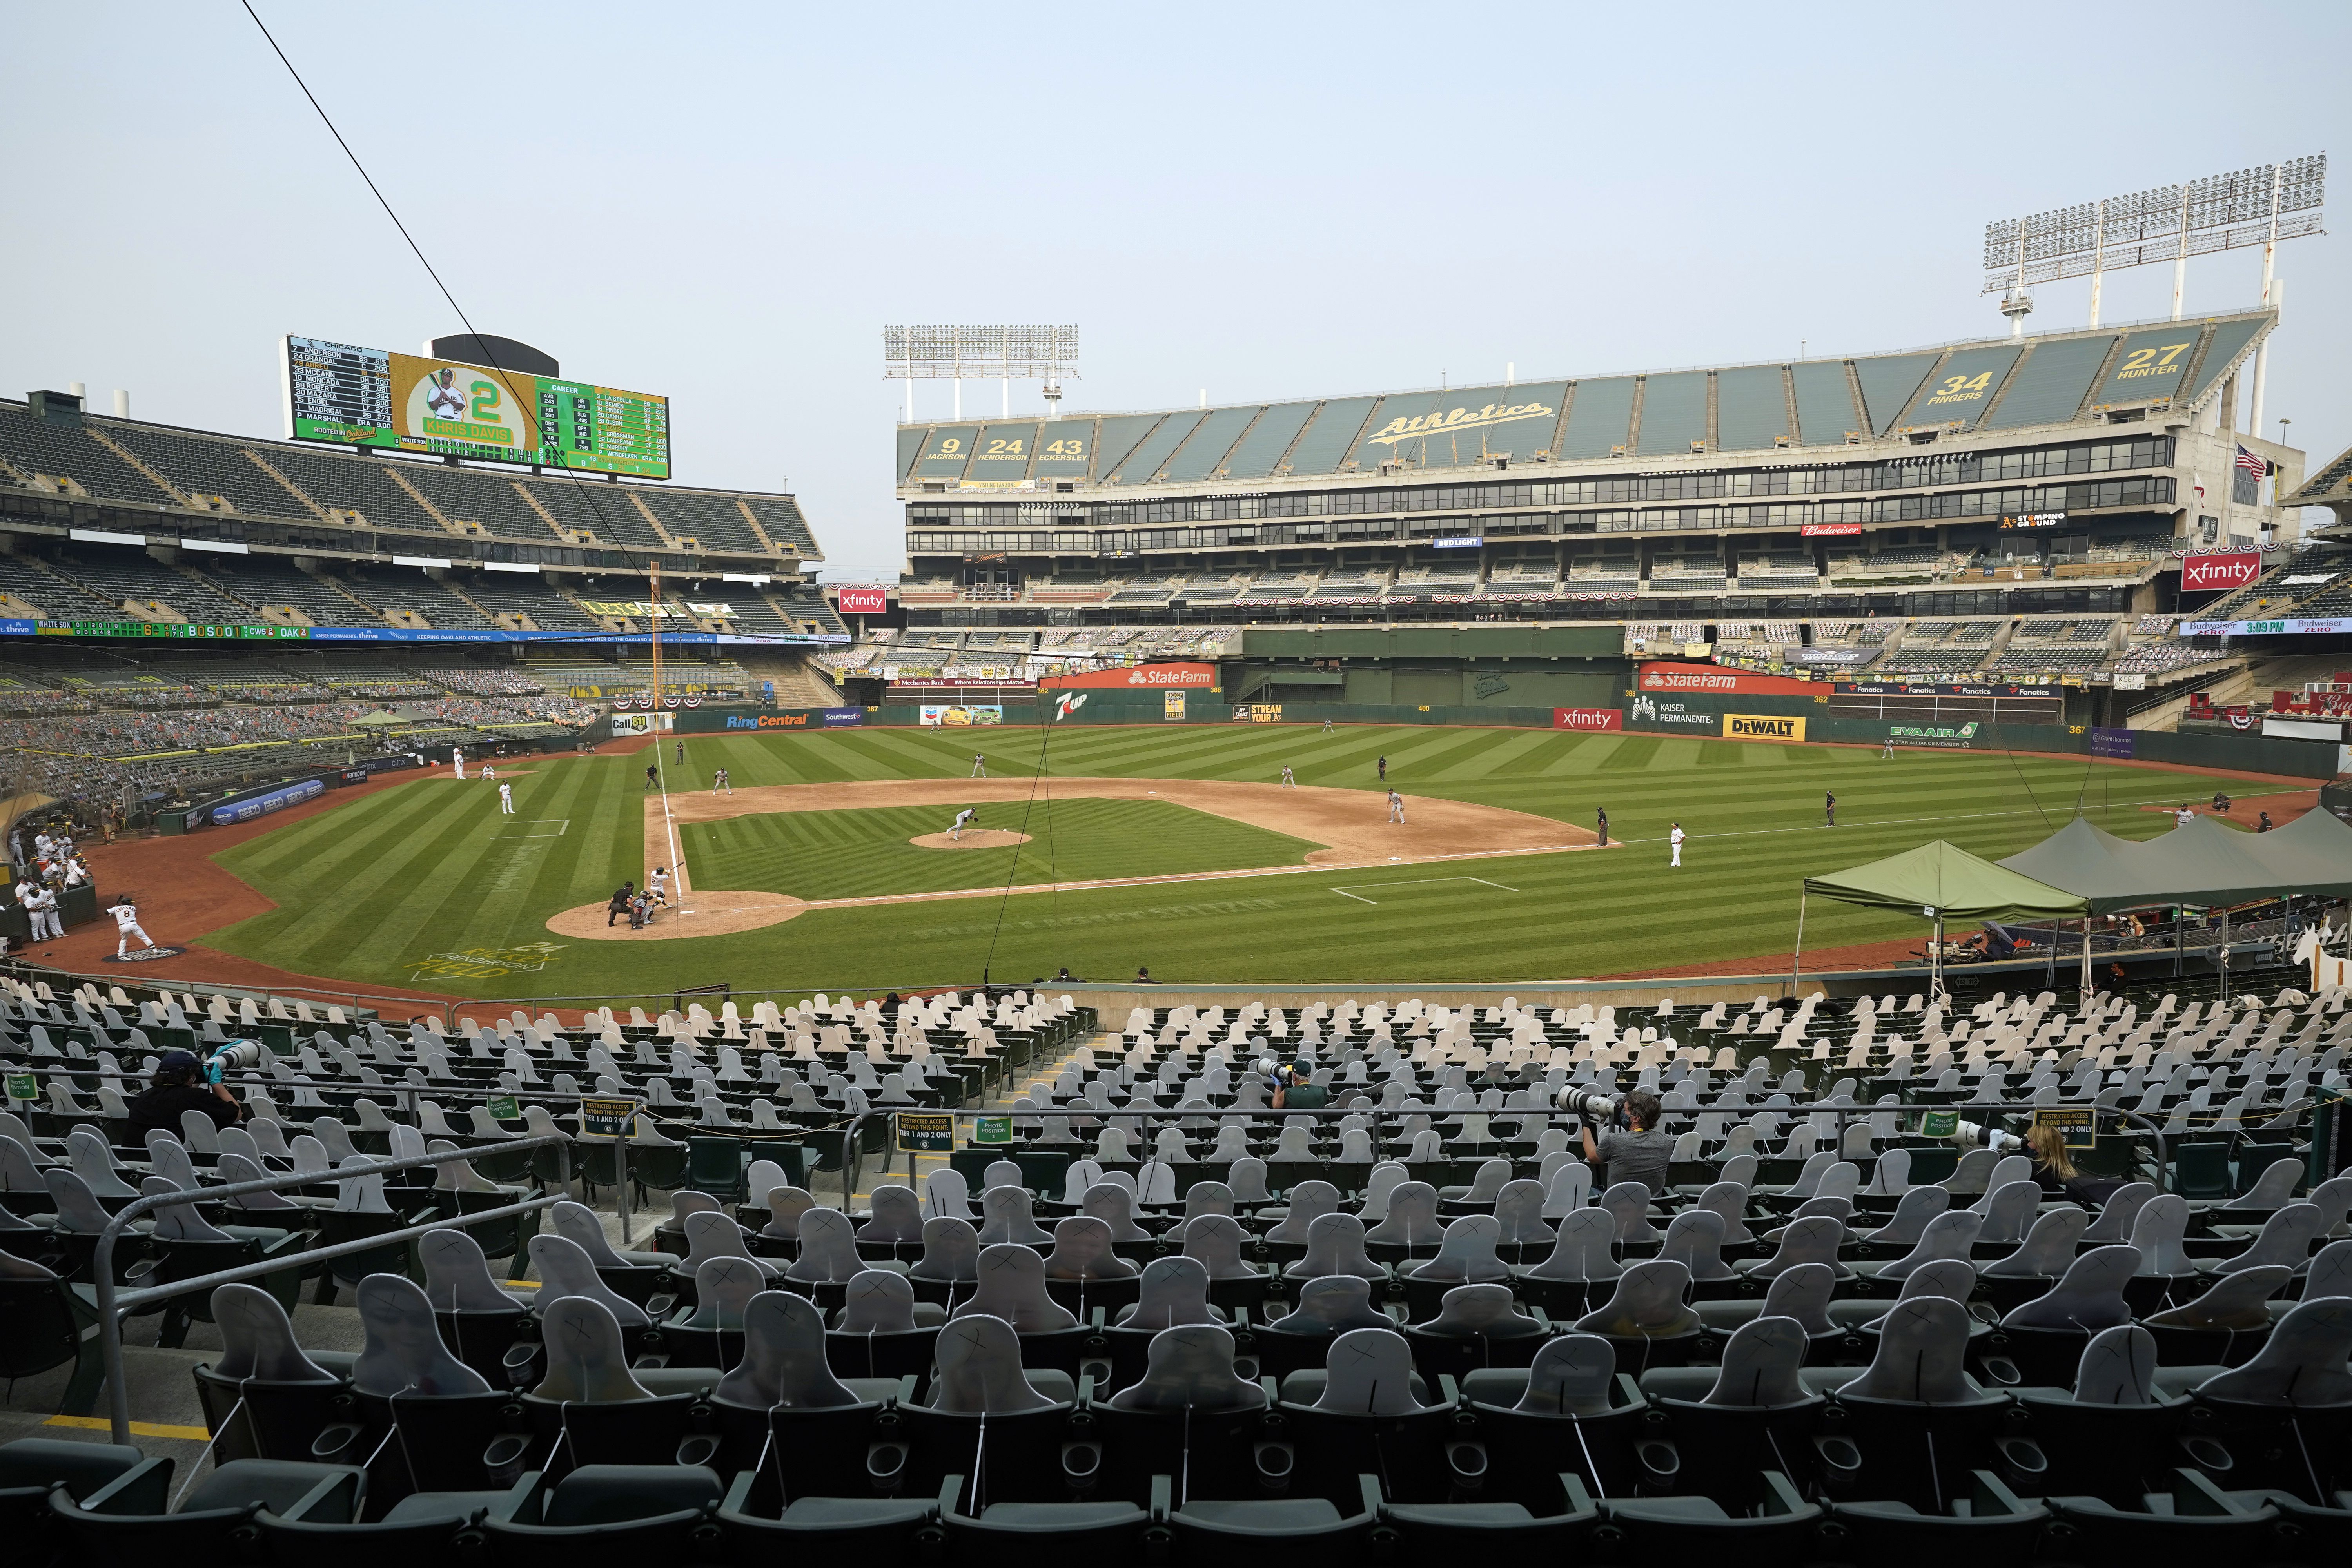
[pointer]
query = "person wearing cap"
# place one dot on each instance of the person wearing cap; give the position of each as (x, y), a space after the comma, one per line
(178, 1085)
(1296, 1093)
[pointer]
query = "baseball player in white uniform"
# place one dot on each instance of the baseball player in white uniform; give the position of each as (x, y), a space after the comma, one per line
(1288, 781)
(489, 773)
(966, 814)
(979, 766)
(506, 799)
(1396, 806)
(126, 926)
(46, 924)
(720, 783)
(1676, 838)
(457, 761)
(658, 885)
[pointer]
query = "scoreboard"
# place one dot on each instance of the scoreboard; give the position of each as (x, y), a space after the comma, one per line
(351, 397)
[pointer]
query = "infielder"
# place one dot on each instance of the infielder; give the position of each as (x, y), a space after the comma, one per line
(963, 816)
(1288, 781)
(457, 761)
(506, 799)
(126, 926)
(489, 773)
(1676, 838)
(1396, 806)
(979, 766)
(719, 784)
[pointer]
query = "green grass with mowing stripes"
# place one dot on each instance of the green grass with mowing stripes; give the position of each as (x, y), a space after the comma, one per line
(374, 890)
(858, 854)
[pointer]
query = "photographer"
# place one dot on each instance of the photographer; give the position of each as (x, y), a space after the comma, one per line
(2053, 1168)
(1294, 1093)
(1638, 1152)
(180, 1084)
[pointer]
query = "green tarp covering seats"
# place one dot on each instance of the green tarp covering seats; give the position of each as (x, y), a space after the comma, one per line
(1948, 880)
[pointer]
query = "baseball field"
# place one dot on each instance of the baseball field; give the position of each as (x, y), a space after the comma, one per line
(830, 864)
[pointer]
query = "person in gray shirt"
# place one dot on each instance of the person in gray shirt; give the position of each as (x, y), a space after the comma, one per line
(1638, 1153)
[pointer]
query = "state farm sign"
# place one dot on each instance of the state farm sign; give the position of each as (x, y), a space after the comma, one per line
(1142, 677)
(864, 601)
(2200, 574)
(1588, 719)
(1664, 676)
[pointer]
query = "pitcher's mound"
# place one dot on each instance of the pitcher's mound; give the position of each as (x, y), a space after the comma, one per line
(974, 838)
(696, 914)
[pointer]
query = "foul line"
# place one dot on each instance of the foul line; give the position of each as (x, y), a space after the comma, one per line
(1410, 882)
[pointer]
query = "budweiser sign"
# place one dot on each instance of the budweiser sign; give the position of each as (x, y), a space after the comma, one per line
(2201, 573)
(1831, 529)
(1589, 719)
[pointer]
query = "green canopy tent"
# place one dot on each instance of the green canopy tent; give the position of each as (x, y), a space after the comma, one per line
(1939, 879)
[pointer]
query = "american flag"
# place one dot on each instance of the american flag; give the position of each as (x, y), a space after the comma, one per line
(2258, 467)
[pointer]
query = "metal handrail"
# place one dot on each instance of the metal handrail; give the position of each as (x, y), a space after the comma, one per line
(1846, 1114)
(114, 1305)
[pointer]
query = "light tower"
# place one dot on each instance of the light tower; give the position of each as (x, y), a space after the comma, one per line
(1005, 353)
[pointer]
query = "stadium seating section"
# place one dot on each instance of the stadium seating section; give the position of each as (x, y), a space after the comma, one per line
(1164, 1321)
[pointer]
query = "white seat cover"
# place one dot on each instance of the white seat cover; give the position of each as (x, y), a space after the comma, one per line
(1648, 1304)
(1480, 1312)
(978, 1367)
(1922, 1343)
(784, 1365)
(2048, 1250)
(402, 1353)
(1214, 1241)
(2089, 1295)
(1011, 1218)
(2302, 1364)
(2236, 1301)
(828, 1250)
(1695, 1241)
(2286, 1237)
(1012, 1286)
(897, 1215)
(2118, 1367)
(257, 1340)
(1760, 1365)
(1082, 1251)
(1190, 1367)
(723, 1287)
(457, 1277)
(564, 1269)
(1571, 1375)
(950, 1251)
(586, 1362)
(1335, 1301)
(1583, 1250)
(1335, 1244)
(1172, 1291)
(1368, 1371)
(1465, 1254)
(1802, 1294)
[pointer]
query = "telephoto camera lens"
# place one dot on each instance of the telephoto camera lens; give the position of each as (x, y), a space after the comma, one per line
(237, 1056)
(1585, 1103)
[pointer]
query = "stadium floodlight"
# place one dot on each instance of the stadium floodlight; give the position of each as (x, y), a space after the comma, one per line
(2260, 205)
(956, 354)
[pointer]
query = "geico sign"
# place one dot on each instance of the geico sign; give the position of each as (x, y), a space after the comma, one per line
(1761, 727)
(2206, 571)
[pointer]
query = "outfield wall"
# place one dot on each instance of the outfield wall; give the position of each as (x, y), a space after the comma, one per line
(1698, 716)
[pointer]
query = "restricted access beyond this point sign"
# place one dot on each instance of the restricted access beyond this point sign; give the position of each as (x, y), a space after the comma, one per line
(2078, 1123)
(606, 1118)
(925, 1132)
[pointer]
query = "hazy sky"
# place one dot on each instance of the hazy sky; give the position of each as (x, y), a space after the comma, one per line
(725, 203)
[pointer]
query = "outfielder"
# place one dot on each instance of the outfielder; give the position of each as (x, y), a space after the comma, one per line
(506, 799)
(963, 816)
(126, 926)
(979, 766)
(1288, 781)
(1676, 838)
(1396, 806)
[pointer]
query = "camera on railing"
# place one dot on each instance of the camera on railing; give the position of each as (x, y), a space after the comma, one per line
(233, 1055)
(1600, 1110)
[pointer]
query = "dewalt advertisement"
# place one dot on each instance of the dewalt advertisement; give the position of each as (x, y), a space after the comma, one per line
(1762, 727)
